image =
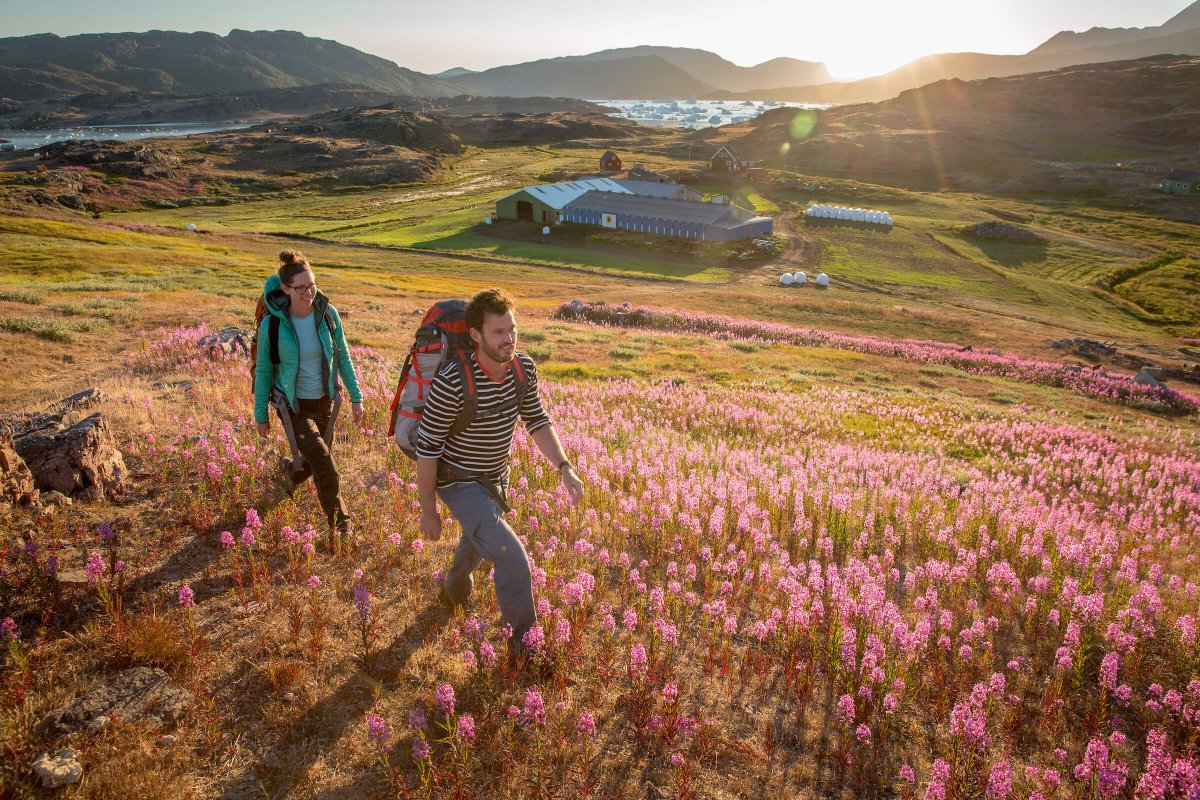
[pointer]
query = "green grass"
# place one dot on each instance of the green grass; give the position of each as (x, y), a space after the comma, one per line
(47, 330)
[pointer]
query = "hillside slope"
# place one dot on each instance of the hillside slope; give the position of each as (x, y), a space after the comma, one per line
(999, 133)
(46, 65)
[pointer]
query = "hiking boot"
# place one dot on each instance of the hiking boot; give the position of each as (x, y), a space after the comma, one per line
(447, 602)
(341, 536)
(289, 484)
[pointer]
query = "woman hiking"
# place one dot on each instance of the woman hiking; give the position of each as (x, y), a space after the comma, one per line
(302, 354)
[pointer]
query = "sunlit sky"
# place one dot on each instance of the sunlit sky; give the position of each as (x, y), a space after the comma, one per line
(855, 39)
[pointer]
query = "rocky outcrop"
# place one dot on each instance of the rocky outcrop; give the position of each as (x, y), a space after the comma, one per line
(70, 449)
(388, 125)
(117, 158)
(17, 486)
(1004, 231)
(137, 693)
(228, 341)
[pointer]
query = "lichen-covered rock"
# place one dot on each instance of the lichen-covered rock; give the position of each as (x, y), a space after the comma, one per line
(70, 450)
(17, 486)
(228, 340)
(64, 768)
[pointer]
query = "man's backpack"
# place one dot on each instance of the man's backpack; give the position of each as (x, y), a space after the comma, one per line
(441, 338)
(260, 312)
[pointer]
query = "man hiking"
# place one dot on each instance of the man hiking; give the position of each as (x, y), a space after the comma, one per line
(469, 470)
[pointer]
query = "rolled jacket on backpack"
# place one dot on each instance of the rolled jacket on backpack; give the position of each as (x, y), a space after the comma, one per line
(332, 343)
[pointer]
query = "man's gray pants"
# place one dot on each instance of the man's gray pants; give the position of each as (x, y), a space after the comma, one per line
(487, 535)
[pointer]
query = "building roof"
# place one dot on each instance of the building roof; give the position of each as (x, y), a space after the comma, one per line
(723, 216)
(557, 195)
(729, 150)
(608, 154)
(1183, 176)
(651, 188)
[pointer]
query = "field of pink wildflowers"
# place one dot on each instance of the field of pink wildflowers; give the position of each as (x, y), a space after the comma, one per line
(817, 593)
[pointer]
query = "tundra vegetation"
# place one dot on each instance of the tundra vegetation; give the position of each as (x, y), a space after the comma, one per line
(826, 550)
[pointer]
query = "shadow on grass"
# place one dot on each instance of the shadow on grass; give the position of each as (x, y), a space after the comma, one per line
(565, 250)
(286, 765)
(1011, 254)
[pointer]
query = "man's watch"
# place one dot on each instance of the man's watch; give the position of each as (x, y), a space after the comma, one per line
(564, 463)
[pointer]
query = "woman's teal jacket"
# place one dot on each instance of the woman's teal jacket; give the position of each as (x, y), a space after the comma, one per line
(333, 342)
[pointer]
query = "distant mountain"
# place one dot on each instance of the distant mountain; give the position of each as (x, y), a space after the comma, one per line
(710, 68)
(45, 66)
(454, 72)
(998, 134)
(639, 72)
(575, 76)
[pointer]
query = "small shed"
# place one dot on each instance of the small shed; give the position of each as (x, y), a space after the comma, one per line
(610, 162)
(1182, 181)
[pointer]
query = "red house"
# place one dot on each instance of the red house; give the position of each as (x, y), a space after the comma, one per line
(610, 162)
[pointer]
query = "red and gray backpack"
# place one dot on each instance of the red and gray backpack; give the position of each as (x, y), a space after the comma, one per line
(442, 338)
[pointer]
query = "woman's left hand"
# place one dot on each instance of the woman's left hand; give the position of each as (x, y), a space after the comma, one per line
(357, 410)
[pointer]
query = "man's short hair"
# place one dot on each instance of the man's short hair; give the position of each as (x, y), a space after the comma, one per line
(489, 301)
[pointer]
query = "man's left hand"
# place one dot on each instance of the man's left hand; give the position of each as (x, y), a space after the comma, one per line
(573, 485)
(356, 409)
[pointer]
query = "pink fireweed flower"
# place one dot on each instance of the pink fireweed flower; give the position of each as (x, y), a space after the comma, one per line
(416, 719)
(586, 726)
(670, 692)
(845, 709)
(95, 568)
(535, 707)
(863, 734)
(677, 759)
(313, 582)
(8, 630)
(444, 698)
(908, 775)
(466, 727)
(638, 663)
(247, 538)
(420, 750)
(378, 733)
(187, 598)
(1000, 781)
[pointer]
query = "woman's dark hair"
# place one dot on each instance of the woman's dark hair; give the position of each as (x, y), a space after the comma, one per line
(489, 301)
(291, 264)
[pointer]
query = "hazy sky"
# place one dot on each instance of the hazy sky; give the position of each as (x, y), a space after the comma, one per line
(855, 38)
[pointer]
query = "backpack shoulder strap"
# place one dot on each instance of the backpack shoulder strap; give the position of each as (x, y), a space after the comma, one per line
(273, 336)
(466, 380)
(522, 382)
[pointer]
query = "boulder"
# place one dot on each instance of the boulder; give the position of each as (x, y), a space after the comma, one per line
(230, 340)
(17, 486)
(70, 450)
(1147, 377)
(62, 769)
(137, 693)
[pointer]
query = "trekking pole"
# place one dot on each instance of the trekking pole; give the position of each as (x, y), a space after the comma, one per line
(333, 415)
(285, 416)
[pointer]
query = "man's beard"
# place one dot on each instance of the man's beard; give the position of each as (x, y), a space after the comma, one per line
(495, 355)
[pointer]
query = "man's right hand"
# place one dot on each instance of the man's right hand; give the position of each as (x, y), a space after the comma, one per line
(264, 428)
(431, 525)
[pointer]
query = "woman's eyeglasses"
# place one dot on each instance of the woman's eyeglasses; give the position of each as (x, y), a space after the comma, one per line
(304, 288)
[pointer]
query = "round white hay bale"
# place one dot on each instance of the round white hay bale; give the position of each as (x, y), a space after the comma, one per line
(822, 280)
(800, 279)
(843, 213)
(785, 279)
(191, 226)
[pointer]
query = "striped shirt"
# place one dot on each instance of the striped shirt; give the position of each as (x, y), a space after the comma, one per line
(482, 448)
